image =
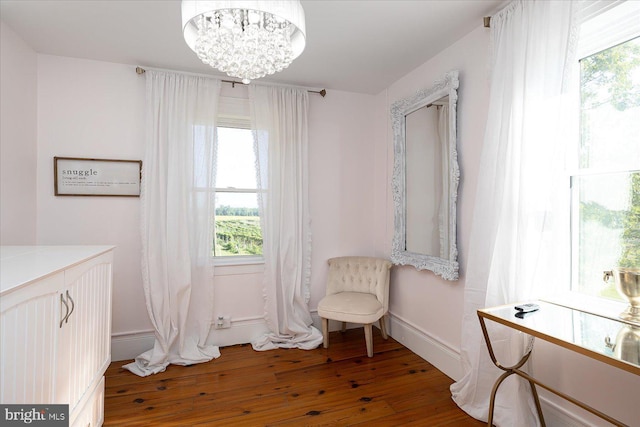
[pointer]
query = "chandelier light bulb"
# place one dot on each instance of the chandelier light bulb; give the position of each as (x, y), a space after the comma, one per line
(245, 39)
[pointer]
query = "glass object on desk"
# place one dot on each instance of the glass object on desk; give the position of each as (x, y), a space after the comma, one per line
(626, 345)
(627, 282)
(597, 333)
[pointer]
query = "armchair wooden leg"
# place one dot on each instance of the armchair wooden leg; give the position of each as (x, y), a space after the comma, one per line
(368, 337)
(325, 333)
(383, 327)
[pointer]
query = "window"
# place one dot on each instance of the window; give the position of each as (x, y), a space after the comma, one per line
(605, 187)
(238, 236)
(237, 220)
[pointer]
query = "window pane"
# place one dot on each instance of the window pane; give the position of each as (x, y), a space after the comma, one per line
(606, 228)
(606, 198)
(236, 160)
(237, 225)
(610, 108)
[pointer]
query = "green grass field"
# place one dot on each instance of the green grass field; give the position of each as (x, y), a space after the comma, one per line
(238, 235)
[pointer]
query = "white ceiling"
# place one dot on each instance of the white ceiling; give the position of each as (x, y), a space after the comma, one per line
(356, 46)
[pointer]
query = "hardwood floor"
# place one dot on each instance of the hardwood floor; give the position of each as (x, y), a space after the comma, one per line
(338, 386)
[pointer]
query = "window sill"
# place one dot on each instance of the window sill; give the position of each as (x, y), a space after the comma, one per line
(226, 266)
(604, 307)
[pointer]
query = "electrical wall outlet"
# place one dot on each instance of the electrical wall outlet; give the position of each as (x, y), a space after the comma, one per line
(222, 322)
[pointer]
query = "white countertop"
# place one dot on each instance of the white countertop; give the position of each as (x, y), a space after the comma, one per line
(21, 265)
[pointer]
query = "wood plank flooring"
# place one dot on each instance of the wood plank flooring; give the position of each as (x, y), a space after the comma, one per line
(338, 386)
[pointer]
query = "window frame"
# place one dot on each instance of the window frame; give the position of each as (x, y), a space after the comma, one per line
(234, 113)
(598, 38)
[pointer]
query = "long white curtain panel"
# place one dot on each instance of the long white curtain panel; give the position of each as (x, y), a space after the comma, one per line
(519, 226)
(177, 207)
(280, 123)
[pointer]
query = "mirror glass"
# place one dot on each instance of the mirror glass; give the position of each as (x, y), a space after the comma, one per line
(425, 179)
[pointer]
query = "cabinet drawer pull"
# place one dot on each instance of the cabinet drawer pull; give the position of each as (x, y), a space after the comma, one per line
(66, 314)
(73, 306)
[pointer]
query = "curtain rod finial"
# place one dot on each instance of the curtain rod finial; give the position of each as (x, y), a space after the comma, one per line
(487, 21)
(140, 70)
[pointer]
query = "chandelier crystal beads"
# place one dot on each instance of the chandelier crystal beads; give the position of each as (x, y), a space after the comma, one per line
(245, 39)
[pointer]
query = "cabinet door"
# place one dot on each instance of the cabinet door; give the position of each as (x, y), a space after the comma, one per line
(91, 414)
(30, 320)
(84, 347)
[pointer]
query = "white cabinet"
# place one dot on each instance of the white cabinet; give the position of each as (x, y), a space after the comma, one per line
(55, 327)
(28, 333)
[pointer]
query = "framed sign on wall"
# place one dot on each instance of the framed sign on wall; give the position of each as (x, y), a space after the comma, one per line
(74, 176)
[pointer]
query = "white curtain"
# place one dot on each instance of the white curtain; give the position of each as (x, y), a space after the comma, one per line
(280, 124)
(176, 219)
(518, 238)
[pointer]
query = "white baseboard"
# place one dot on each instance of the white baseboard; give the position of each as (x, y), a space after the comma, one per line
(557, 416)
(242, 331)
(447, 360)
(559, 412)
(128, 346)
(334, 325)
(424, 345)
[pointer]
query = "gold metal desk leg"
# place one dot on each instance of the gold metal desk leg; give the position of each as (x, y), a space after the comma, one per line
(509, 370)
(534, 392)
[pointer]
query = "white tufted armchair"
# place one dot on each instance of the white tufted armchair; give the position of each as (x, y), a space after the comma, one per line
(357, 292)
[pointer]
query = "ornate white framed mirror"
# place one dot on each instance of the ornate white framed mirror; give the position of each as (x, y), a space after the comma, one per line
(425, 179)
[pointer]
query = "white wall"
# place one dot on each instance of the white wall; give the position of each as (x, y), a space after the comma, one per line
(427, 312)
(18, 83)
(96, 110)
(341, 181)
(93, 109)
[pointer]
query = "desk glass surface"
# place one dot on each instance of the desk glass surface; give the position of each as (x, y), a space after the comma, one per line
(589, 334)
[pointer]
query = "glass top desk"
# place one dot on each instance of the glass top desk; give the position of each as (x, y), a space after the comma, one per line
(612, 341)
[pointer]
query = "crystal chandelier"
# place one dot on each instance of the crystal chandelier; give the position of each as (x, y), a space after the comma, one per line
(245, 39)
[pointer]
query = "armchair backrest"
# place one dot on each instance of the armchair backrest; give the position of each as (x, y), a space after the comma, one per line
(360, 274)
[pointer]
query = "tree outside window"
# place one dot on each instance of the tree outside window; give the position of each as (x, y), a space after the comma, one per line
(606, 187)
